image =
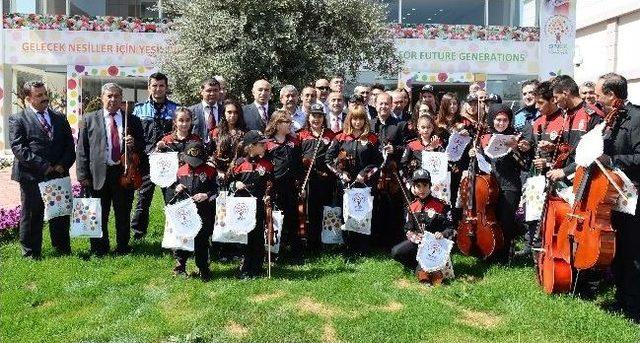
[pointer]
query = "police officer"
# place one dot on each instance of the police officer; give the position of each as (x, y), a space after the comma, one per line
(156, 115)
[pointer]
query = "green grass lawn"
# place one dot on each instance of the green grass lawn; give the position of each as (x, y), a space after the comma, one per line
(134, 298)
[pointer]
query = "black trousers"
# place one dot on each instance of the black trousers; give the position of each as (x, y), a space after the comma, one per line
(32, 220)
(506, 212)
(626, 263)
(140, 219)
(201, 242)
(388, 210)
(405, 252)
(254, 250)
(121, 199)
(319, 194)
(286, 199)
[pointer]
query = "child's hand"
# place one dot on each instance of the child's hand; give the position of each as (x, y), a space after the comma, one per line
(161, 145)
(438, 235)
(200, 197)
(180, 188)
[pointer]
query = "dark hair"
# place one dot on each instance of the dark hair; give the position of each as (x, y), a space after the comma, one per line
(564, 83)
(379, 86)
(532, 82)
(443, 113)
(544, 91)
(589, 84)
(616, 84)
(223, 126)
(158, 77)
(307, 123)
(27, 86)
(178, 110)
(209, 82)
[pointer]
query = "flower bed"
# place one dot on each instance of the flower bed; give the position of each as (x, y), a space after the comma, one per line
(84, 23)
(467, 32)
(9, 222)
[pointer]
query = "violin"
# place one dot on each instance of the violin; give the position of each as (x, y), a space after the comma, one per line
(303, 218)
(385, 181)
(479, 233)
(131, 177)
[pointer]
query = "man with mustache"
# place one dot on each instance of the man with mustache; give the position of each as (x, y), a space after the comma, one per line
(42, 143)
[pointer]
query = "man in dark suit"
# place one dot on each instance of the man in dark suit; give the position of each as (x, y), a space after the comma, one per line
(365, 93)
(208, 112)
(258, 113)
(42, 143)
(101, 142)
(336, 117)
(399, 104)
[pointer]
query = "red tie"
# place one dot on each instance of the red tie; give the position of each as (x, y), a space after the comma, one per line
(45, 125)
(212, 120)
(115, 139)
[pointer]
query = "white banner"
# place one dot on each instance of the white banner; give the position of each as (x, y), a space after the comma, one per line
(164, 168)
(82, 47)
(433, 254)
(557, 37)
(479, 56)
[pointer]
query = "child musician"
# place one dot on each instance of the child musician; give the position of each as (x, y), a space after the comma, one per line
(197, 180)
(315, 138)
(283, 151)
(181, 135)
(250, 176)
(507, 170)
(427, 140)
(354, 156)
(432, 214)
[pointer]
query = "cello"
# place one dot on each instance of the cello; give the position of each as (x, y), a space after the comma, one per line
(478, 232)
(131, 176)
(553, 271)
(588, 237)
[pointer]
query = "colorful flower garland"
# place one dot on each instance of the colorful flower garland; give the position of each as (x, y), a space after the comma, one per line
(84, 23)
(467, 32)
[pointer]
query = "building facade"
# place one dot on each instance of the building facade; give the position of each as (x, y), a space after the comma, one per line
(606, 39)
(452, 42)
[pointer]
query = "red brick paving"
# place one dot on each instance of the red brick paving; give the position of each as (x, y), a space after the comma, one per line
(10, 190)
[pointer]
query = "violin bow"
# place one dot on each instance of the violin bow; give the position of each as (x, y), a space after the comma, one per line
(124, 133)
(313, 160)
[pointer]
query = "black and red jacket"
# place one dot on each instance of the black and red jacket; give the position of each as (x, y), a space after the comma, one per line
(285, 157)
(178, 145)
(308, 144)
(433, 213)
(254, 172)
(412, 155)
(201, 179)
(363, 155)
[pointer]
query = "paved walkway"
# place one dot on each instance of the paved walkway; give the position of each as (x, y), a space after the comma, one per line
(10, 190)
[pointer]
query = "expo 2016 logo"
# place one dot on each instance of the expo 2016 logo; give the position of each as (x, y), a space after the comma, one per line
(558, 26)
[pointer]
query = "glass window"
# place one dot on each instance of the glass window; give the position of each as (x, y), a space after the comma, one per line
(118, 8)
(392, 10)
(443, 12)
(504, 12)
(54, 6)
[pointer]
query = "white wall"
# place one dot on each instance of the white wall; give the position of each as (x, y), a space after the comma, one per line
(607, 41)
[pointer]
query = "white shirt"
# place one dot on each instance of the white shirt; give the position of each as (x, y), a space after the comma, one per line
(332, 119)
(263, 110)
(46, 116)
(298, 118)
(205, 108)
(107, 127)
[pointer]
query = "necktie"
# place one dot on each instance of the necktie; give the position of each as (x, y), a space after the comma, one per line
(265, 114)
(211, 123)
(115, 139)
(45, 125)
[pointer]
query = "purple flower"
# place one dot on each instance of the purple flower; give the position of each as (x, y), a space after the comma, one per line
(9, 218)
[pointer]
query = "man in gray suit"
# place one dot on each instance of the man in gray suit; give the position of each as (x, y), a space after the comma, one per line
(208, 112)
(258, 113)
(42, 144)
(101, 142)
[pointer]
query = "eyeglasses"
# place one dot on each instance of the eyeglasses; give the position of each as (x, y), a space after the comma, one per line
(323, 88)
